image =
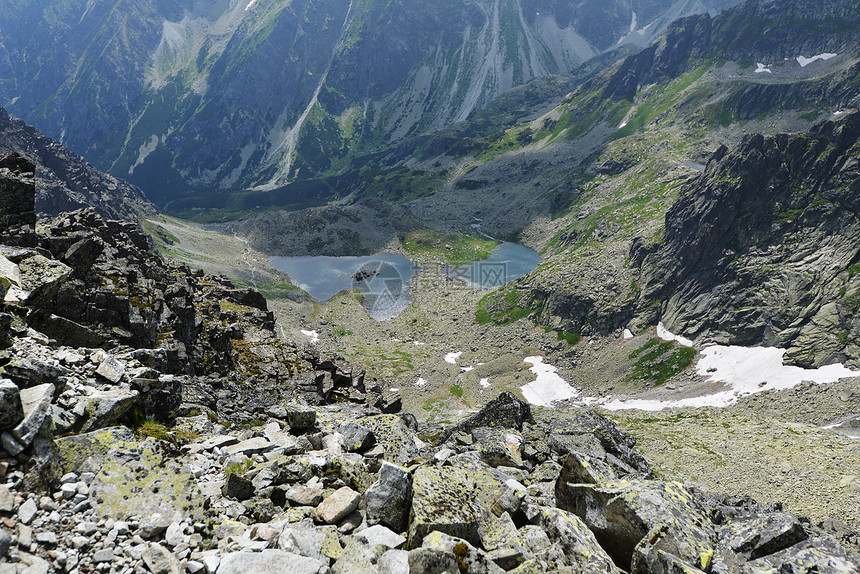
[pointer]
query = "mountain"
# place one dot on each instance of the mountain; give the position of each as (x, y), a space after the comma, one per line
(64, 180)
(182, 94)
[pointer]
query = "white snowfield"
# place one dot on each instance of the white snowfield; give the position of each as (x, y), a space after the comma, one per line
(548, 387)
(452, 357)
(664, 334)
(806, 61)
(734, 371)
(761, 68)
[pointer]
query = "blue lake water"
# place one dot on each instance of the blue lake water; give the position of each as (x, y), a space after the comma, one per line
(507, 262)
(384, 278)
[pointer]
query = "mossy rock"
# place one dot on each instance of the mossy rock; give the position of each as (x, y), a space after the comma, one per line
(140, 479)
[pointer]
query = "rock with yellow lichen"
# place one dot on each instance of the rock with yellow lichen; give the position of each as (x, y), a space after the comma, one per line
(639, 520)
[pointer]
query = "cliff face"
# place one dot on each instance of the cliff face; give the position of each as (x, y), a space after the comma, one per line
(764, 247)
(233, 94)
(64, 181)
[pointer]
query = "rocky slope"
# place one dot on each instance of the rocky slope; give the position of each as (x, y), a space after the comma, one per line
(271, 92)
(64, 180)
(238, 461)
(772, 255)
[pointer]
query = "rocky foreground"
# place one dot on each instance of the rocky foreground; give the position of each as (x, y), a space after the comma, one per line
(151, 421)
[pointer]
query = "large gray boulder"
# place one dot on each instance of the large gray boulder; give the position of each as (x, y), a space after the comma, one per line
(580, 548)
(388, 498)
(36, 402)
(104, 408)
(11, 408)
(456, 499)
(505, 411)
(270, 562)
(638, 521)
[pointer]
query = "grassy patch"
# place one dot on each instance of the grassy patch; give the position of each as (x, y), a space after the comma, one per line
(503, 307)
(158, 431)
(456, 249)
(239, 468)
(658, 361)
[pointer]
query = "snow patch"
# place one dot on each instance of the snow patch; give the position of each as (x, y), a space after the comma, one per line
(452, 357)
(744, 371)
(485, 383)
(312, 335)
(761, 68)
(251, 3)
(467, 369)
(393, 390)
(628, 334)
(418, 343)
(420, 382)
(548, 387)
(806, 61)
(664, 334)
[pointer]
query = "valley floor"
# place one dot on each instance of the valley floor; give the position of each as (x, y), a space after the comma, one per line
(444, 365)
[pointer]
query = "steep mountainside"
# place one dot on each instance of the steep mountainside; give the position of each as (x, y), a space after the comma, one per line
(764, 247)
(232, 94)
(64, 181)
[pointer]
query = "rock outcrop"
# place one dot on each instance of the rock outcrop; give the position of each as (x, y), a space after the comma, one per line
(764, 246)
(65, 181)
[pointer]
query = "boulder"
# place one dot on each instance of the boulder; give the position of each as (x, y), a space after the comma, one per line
(159, 398)
(111, 369)
(337, 506)
(506, 411)
(821, 555)
(395, 437)
(160, 560)
(394, 562)
(5, 543)
(36, 401)
(453, 499)
(42, 277)
(432, 561)
(663, 516)
(11, 407)
(499, 447)
(304, 495)
(237, 487)
(580, 548)
(762, 535)
(269, 562)
(104, 408)
(379, 535)
(356, 438)
(91, 448)
(299, 418)
(318, 543)
(137, 479)
(388, 499)
(469, 558)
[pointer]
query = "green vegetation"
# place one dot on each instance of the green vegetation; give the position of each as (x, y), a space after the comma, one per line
(239, 468)
(269, 289)
(658, 361)
(502, 307)
(456, 249)
(457, 391)
(158, 431)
